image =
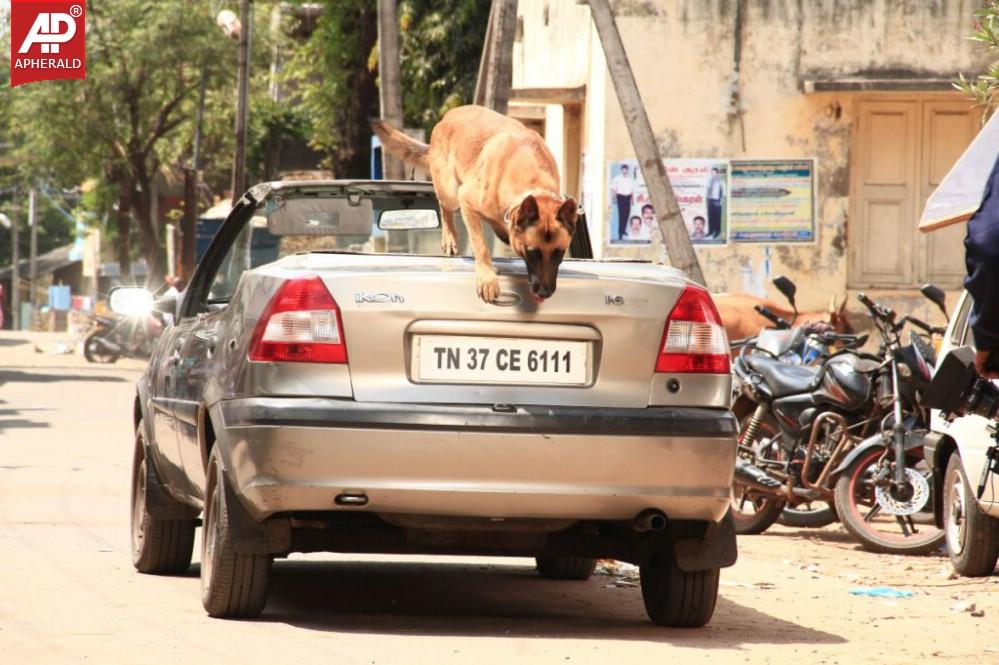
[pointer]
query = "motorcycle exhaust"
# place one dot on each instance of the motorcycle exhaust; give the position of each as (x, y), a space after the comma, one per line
(649, 520)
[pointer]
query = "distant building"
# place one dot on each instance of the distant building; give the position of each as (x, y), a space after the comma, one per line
(852, 95)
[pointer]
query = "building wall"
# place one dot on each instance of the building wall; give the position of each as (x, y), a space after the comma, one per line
(683, 54)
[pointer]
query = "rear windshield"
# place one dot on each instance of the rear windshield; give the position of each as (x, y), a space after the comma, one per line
(283, 225)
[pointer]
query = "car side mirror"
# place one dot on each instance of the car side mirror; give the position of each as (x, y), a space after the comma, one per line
(131, 301)
(935, 295)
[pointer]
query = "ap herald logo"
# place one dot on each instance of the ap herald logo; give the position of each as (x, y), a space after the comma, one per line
(48, 41)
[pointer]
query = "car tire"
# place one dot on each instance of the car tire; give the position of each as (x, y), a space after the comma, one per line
(676, 598)
(233, 584)
(566, 567)
(972, 536)
(159, 546)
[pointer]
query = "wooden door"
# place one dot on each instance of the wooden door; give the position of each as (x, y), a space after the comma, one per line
(883, 204)
(948, 128)
(902, 148)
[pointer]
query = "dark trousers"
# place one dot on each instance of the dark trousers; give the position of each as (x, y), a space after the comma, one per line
(623, 210)
(714, 217)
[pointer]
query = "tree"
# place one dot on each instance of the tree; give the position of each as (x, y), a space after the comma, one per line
(984, 88)
(442, 42)
(144, 65)
(335, 75)
(335, 71)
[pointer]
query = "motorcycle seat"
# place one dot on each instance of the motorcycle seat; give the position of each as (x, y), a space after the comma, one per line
(781, 378)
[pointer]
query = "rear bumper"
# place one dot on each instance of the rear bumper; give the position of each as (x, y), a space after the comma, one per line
(297, 454)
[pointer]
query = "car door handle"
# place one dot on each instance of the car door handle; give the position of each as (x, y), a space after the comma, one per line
(209, 337)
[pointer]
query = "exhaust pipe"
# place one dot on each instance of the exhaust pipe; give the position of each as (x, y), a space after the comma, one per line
(650, 520)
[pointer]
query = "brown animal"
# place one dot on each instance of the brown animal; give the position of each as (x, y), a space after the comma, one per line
(495, 169)
(741, 320)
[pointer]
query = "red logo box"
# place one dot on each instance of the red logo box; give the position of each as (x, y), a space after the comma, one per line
(48, 40)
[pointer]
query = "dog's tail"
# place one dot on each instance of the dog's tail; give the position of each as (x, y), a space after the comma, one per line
(409, 150)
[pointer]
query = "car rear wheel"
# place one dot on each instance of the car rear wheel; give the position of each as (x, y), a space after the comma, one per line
(159, 546)
(676, 598)
(233, 585)
(566, 567)
(972, 536)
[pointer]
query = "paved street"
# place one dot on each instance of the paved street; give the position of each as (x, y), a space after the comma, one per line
(68, 593)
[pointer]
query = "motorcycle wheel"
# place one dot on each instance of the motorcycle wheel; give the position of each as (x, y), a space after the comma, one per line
(861, 514)
(96, 352)
(805, 516)
(754, 512)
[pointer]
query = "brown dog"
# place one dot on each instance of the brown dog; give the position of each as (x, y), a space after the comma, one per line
(493, 168)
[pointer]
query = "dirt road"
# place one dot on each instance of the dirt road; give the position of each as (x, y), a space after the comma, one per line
(68, 593)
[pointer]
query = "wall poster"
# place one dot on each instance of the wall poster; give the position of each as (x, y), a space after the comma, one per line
(701, 188)
(772, 201)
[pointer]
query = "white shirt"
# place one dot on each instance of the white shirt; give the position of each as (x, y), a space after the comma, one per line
(623, 185)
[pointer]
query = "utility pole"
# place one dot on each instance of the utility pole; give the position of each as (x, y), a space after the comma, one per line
(389, 87)
(33, 252)
(15, 278)
(492, 88)
(243, 74)
(192, 177)
(675, 236)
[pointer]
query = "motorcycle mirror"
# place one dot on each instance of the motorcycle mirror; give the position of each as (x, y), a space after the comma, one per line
(936, 295)
(787, 287)
(131, 301)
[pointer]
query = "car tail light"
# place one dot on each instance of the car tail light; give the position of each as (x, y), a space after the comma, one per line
(694, 340)
(301, 324)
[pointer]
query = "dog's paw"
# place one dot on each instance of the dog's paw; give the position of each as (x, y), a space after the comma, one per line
(487, 284)
(449, 244)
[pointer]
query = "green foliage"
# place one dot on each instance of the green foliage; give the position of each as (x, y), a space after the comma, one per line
(441, 44)
(335, 71)
(335, 84)
(984, 88)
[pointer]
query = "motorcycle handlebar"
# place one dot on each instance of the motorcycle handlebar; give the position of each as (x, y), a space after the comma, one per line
(766, 313)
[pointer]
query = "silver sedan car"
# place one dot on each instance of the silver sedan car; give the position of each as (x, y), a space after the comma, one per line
(330, 382)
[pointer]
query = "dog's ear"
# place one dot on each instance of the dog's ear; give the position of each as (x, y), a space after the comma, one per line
(568, 213)
(528, 213)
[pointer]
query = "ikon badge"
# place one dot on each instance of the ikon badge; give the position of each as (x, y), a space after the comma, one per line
(48, 41)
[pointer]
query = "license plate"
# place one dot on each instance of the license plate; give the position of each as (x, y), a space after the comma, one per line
(500, 360)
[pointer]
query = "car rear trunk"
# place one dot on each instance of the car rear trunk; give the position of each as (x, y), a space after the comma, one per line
(417, 332)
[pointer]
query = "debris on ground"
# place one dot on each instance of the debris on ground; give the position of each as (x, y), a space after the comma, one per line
(625, 574)
(880, 592)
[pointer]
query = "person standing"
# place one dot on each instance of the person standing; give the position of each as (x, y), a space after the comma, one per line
(716, 194)
(623, 187)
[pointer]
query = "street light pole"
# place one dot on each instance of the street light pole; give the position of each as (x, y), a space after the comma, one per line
(243, 73)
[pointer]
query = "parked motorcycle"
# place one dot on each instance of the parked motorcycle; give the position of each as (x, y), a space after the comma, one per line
(800, 424)
(810, 344)
(112, 337)
(884, 487)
